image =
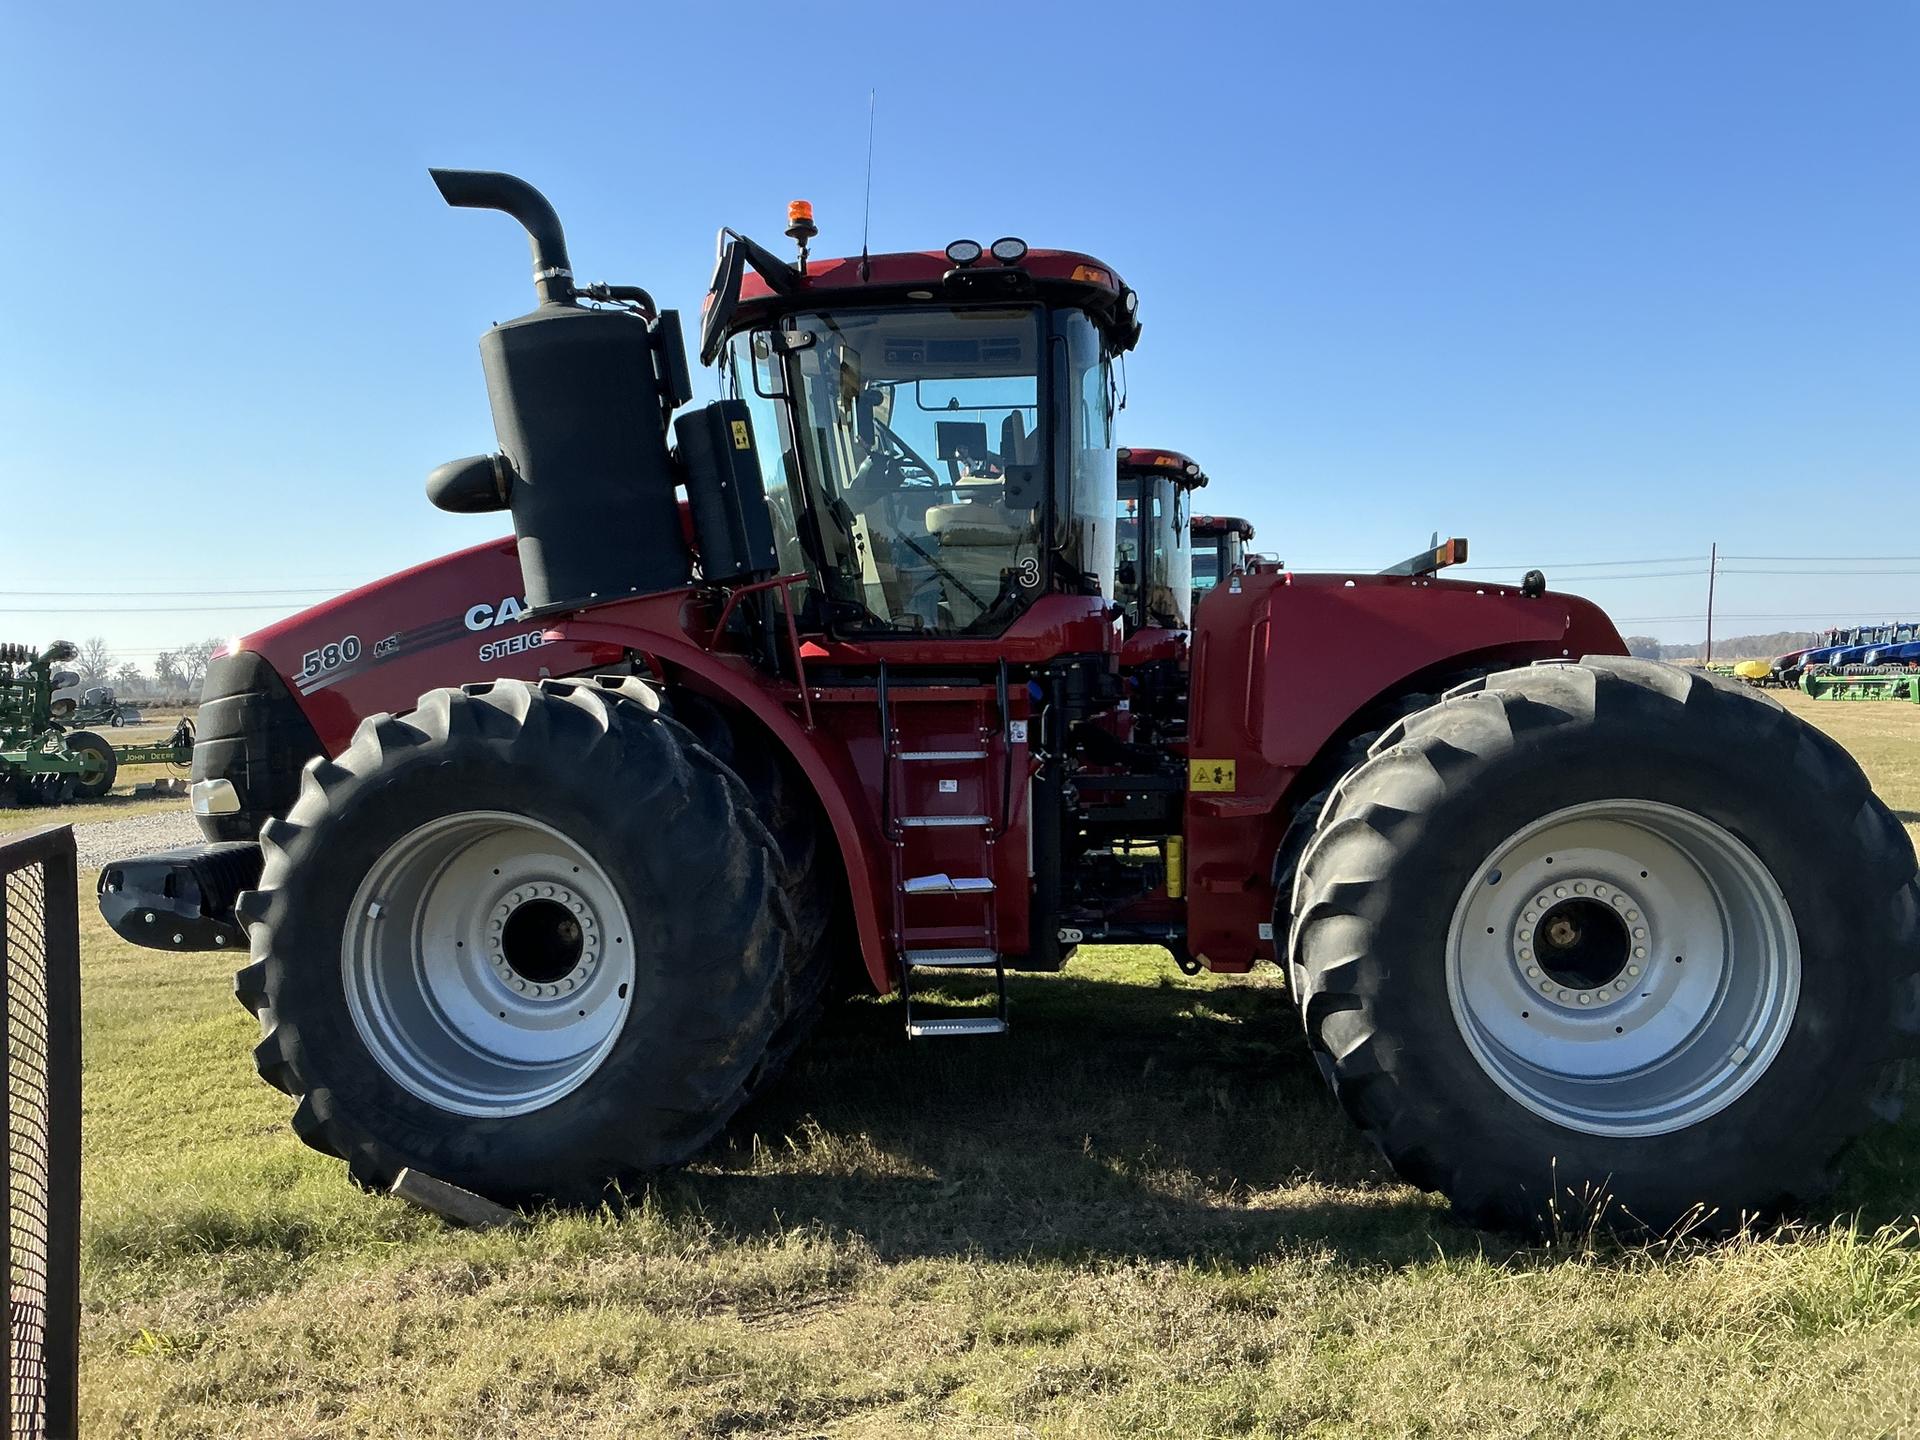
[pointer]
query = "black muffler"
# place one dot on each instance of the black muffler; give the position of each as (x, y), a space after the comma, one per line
(581, 400)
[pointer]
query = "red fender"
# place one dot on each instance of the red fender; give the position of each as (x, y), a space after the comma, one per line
(651, 626)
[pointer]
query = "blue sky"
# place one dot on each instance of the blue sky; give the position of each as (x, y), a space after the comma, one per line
(1583, 282)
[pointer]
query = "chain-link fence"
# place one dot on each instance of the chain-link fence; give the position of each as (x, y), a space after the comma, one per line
(40, 942)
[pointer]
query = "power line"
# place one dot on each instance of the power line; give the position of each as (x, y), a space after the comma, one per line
(1747, 570)
(133, 609)
(1581, 564)
(162, 594)
(1643, 575)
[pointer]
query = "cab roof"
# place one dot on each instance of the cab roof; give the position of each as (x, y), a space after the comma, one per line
(1180, 468)
(905, 277)
(1222, 525)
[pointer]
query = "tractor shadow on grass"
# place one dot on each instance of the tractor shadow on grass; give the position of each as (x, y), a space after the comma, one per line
(1117, 1119)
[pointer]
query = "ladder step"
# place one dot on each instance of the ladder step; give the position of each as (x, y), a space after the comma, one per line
(942, 755)
(940, 822)
(968, 959)
(947, 885)
(933, 1029)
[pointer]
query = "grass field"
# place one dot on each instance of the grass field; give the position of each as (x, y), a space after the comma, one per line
(1138, 1215)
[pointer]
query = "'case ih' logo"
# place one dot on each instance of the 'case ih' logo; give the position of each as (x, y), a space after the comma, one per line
(484, 616)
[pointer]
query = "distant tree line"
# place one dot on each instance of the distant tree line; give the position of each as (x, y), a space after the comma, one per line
(175, 675)
(1731, 647)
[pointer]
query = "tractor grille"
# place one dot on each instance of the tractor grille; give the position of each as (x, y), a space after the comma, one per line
(39, 932)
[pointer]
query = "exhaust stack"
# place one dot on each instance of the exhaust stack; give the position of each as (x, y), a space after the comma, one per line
(492, 190)
(581, 399)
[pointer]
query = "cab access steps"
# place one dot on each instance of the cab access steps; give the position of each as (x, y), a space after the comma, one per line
(945, 808)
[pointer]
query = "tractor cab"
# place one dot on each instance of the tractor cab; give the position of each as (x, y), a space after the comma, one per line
(1153, 562)
(934, 431)
(1219, 550)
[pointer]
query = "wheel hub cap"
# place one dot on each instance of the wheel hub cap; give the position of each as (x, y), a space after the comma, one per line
(488, 963)
(1623, 967)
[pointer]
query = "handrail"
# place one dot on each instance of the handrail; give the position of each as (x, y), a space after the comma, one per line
(784, 584)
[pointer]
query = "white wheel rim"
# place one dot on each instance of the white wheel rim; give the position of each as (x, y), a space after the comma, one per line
(1623, 967)
(488, 963)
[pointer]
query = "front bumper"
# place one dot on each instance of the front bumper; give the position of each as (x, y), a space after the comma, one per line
(181, 899)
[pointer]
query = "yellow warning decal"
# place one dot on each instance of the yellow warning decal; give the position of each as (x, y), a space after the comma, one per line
(741, 439)
(1210, 775)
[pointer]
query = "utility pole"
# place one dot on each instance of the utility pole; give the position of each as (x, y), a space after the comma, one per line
(1713, 568)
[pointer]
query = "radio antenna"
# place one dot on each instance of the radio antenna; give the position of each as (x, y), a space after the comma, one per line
(866, 219)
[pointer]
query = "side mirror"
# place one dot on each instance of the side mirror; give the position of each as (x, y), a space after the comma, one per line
(723, 298)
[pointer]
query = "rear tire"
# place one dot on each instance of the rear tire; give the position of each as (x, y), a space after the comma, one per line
(92, 787)
(1710, 816)
(372, 906)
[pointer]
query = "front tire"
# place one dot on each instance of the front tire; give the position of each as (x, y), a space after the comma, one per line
(525, 939)
(1609, 929)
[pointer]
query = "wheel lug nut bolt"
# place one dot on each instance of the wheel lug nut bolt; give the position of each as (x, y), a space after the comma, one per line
(1639, 932)
(1526, 934)
(1533, 972)
(1639, 952)
(1525, 954)
(1546, 987)
(1566, 994)
(1586, 999)
(1560, 890)
(1579, 889)
(1633, 969)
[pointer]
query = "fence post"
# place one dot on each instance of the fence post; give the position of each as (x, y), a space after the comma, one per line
(40, 1083)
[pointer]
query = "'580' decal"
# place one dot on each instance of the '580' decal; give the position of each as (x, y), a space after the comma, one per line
(332, 656)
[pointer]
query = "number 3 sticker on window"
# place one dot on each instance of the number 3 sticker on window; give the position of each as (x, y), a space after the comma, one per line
(1029, 571)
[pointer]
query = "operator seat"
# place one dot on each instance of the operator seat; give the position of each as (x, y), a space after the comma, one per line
(979, 537)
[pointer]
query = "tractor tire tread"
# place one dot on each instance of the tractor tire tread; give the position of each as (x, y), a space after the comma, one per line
(1342, 969)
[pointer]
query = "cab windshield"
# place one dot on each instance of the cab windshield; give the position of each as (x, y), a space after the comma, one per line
(1206, 565)
(1217, 556)
(1151, 577)
(913, 437)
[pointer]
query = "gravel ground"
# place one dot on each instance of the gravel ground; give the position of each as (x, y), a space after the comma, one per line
(100, 841)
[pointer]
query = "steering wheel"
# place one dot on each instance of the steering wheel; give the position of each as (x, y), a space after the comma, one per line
(904, 451)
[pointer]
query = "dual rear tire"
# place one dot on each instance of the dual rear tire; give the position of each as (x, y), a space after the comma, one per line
(1614, 934)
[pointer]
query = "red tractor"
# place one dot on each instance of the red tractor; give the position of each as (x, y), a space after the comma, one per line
(834, 666)
(1153, 572)
(1219, 551)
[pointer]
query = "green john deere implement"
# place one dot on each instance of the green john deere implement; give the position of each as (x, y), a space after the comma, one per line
(1901, 685)
(42, 760)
